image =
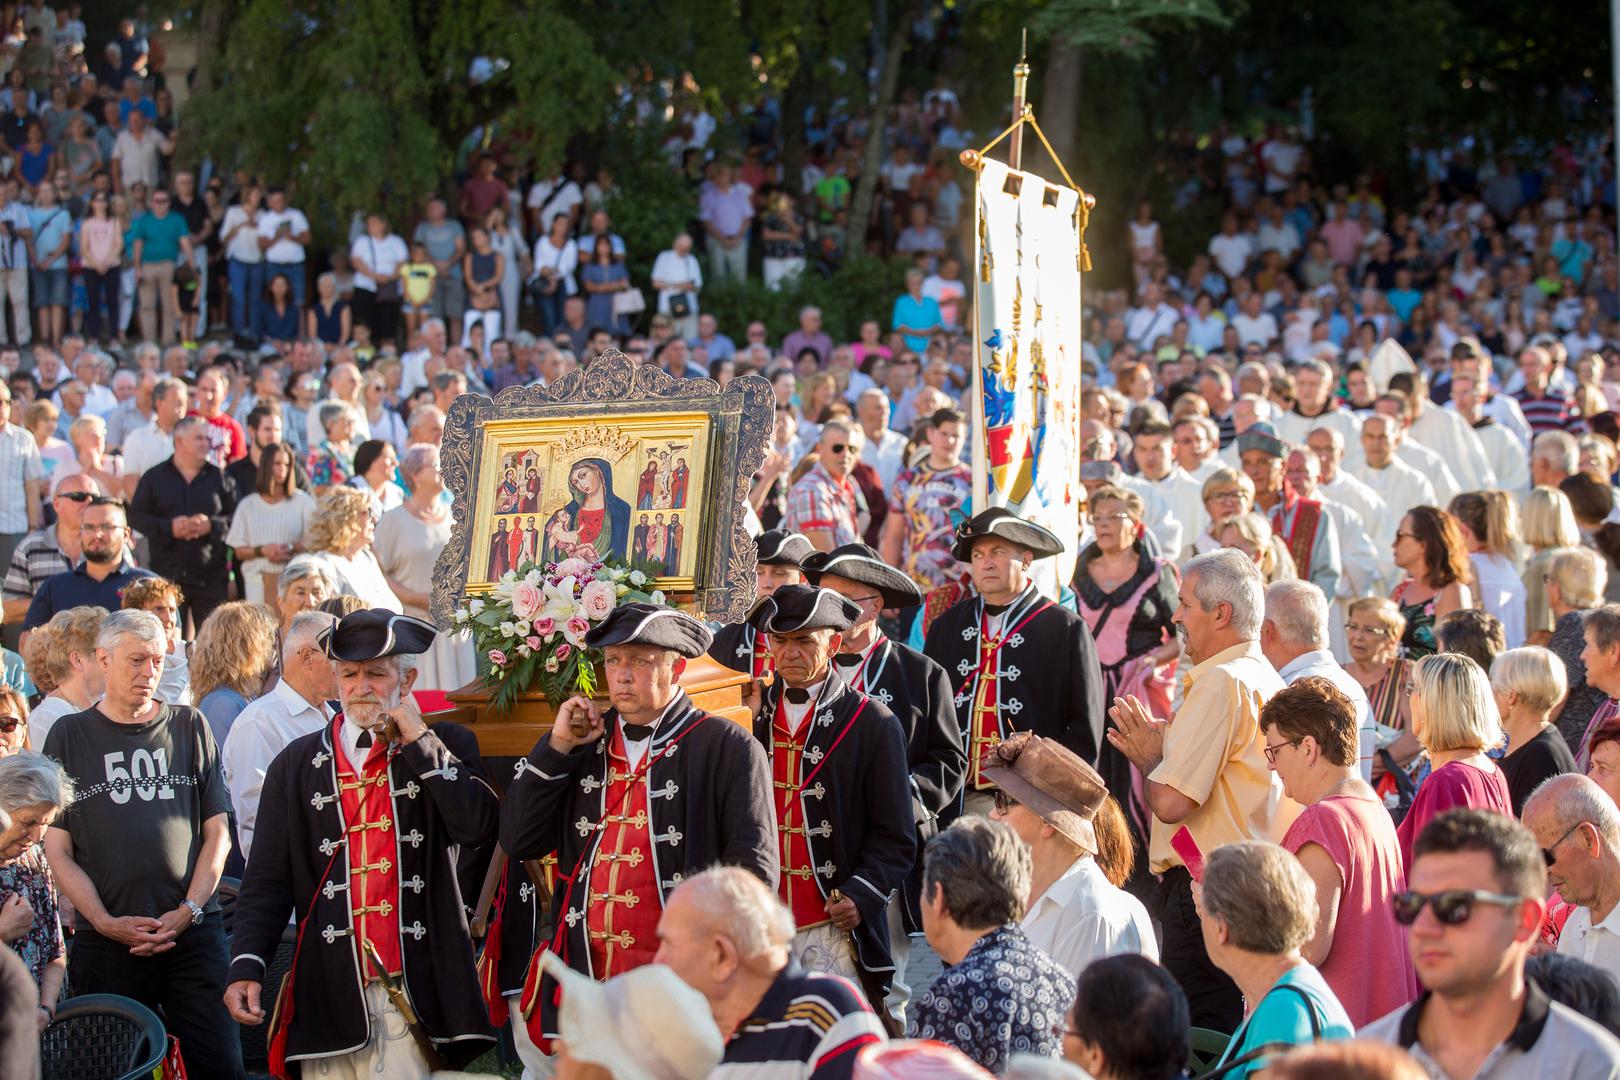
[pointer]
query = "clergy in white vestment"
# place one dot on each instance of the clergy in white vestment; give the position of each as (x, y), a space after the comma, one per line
(1251, 409)
(1449, 436)
(1100, 446)
(1468, 358)
(1360, 573)
(1396, 404)
(1157, 469)
(1315, 406)
(1503, 451)
(1397, 483)
(1196, 441)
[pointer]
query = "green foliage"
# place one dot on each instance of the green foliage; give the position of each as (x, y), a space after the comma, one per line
(1133, 28)
(862, 289)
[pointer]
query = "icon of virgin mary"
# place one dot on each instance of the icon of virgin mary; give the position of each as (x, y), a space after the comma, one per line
(595, 523)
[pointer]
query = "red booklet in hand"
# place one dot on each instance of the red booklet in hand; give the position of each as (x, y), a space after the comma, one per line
(1188, 849)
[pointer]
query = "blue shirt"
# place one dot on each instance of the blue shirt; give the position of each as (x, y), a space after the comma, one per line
(161, 234)
(920, 314)
(221, 706)
(49, 227)
(76, 588)
(1404, 301)
(1281, 1017)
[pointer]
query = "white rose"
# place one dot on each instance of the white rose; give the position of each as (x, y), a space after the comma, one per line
(508, 630)
(637, 578)
(476, 607)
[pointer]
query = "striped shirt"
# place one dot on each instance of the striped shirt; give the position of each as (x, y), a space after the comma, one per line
(19, 458)
(808, 1026)
(1552, 412)
(37, 558)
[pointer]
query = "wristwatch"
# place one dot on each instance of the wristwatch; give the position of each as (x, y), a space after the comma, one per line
(196, 911)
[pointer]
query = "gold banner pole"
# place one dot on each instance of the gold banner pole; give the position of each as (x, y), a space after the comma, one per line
(1015, 149)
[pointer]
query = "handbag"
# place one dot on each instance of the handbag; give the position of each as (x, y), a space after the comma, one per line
(631, 302)
(388, 292)
(680, 304)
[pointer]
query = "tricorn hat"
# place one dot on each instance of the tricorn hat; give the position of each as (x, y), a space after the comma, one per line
(803, 607)
(371, 633)
(650, 624)
(997, 521)
(643, 1024)
(782, 547)
(857, 562)
(1263, 437)
(1052, 781)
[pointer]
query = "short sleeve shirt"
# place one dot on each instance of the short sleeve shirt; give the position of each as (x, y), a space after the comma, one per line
(144, 788)
(818, 502)
(440, 241)
(928, 499)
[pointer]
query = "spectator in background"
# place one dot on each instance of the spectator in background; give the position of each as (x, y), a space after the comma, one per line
(34, 793)
(782, 231)
(159, 239)
(304, 586)
(999, 994)
(88, 438)
(101, 252)
(61, 656)
(295, 706)
(131, 908)
(915, 315)
(184, 507)
(20, 509)
(1077, 911)
(103, 573)
(1259, 909)
(18, 231)
(245, 260)
(726, 208)
(1473, 910)
(137, 154)
(278, 313)
(164, 599)
(283, 238)
(809, 335)
(154, 443)
(377, 256)
(331, 461)
(679, 279)
(1429, 550)
(1454, 717)
(1128, 1022)
(340, 535)
(1528, 684)
(1586, 988)
(42, 417)
(234, 652)
(48, 289)
(603, 278)
(1577, 826)
(270, 521)
(375, 463)
(827, 506)
(1575, 581)
(48, 552)
(1346, 843)
(328, 318)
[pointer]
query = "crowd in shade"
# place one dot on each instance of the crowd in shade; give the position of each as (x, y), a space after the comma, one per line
(1309, 772)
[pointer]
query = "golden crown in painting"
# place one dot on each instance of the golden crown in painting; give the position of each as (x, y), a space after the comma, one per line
(601, 440)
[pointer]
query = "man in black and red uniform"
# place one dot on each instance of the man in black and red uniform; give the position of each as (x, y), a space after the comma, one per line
(1016, 660)
(738, 645)
(844, 822)
(631, 801)
(356, 825)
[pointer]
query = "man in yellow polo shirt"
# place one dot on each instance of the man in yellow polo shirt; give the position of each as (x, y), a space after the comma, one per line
(1207, 768)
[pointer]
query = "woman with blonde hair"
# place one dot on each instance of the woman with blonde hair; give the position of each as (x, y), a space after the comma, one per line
(340, 536)
(1373, 638)
(816, 393)
(1575, 581)
(1251, 534)
(1489, 521)
(234, 651)
(1226, 493)
(164, 599)
(88, 437)
(1528, 684)
(40, 418)
(61, 656)
(1548, 524)
(1454, 717)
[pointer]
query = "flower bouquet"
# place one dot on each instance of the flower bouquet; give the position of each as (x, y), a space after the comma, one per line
(531, 627)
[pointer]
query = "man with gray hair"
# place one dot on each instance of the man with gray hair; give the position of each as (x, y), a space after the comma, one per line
(1555, 456)
(1208, 771)
(299, 703)
(146, 446)
(1578, 829)
(1294, 637)
(725, 933)
(1000, 993)
(184, 507)
(141, 850)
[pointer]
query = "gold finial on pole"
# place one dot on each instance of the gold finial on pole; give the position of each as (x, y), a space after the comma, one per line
(1015, 150)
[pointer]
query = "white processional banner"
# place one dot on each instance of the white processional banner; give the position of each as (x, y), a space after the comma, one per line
(1027, 379)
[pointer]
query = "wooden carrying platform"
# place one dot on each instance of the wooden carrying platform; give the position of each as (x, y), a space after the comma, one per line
(712, 687)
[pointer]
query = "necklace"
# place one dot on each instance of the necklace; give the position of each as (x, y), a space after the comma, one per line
(436, 514)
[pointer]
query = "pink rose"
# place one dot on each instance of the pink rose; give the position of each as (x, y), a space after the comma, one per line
(563, 652)
(597, 600)
(533, 642)
(544, 626)
(497, 657)
(572, 568)
(575, 629)
(527, 600)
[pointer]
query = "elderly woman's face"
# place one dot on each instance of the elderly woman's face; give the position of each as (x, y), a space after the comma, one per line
(305, 594)
(13, 727)
(1116, 528)
(1369, 641)
(28, 825)
(1226, 502)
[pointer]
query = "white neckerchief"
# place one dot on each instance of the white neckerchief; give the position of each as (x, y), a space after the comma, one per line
(796, 714)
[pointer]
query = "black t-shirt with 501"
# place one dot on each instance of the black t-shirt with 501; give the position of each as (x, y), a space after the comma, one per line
(141, 795)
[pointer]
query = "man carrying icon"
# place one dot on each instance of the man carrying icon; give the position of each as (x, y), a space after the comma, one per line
(779, 554)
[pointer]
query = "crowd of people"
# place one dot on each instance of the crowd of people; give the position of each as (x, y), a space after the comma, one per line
(1312, 769)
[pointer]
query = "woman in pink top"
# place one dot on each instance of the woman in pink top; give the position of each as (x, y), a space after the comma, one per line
(1454, 718)
(1346, 842)
(101, 248)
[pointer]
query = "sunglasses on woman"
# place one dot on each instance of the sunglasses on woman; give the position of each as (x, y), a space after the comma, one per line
(1451, 906)
(8, 724)
(1004, 802)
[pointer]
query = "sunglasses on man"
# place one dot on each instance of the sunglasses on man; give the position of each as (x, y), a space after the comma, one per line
(75, 496)
(1451, 906)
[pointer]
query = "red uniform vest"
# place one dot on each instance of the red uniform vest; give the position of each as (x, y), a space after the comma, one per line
(623, 907)
(986, 732)
(373, 855)
(798, 886)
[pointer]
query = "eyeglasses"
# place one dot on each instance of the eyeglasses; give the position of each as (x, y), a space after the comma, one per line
(8, 724)
(1405, 536)
(75, 496)
(1004, 802)
(1120, 516)
(100, 528)
(1271, 751)
(1063, 1029)
(1451, 906)
(864, 599)
(1551, 853)
(1375, 631)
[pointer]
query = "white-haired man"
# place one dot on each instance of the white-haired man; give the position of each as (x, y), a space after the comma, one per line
(1219, 797)
(1295, 635)
(1555, 456)
(885, 448)
(141, 851)
(355, 828)
(1315, 406)
(296, 706)
(1578, 829)
(729, 937)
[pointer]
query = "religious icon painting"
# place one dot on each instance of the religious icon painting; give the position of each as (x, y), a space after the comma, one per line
(615, 461)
